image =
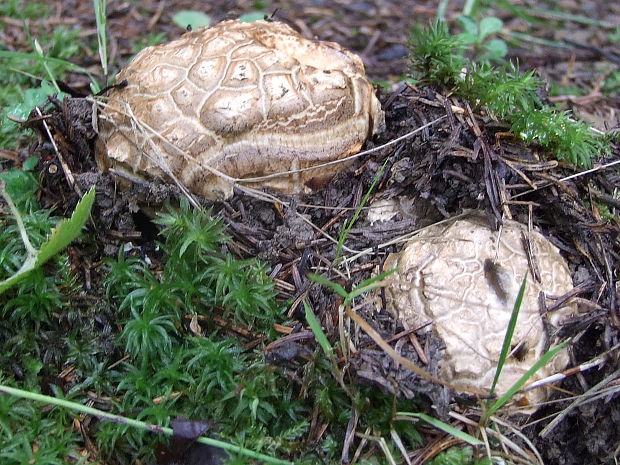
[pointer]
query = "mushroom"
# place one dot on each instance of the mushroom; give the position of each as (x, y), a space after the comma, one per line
(238, 100)
(463, 278)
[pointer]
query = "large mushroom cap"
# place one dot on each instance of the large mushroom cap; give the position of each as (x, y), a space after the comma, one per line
(464, 279)
(243, 99)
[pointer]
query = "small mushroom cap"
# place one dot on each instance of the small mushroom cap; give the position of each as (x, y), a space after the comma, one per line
(243, 99)
(464, 279)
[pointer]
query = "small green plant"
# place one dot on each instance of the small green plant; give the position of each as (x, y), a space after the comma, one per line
(568, 139)
(197, 278)
(362, 288)
(440, 425)
(436, 55)
(501, 91)
(25, 435)
(240, 287)
(504, 93)
(476, 35)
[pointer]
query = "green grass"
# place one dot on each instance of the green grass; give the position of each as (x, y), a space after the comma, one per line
(18, 9)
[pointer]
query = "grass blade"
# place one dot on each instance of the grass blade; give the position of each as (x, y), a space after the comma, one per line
(445, 427)
(326, 282)
(315, 327)
(348, 224)
(509, 334)
(42, 58)
(524, 379)
(369, 284)
(100, 7)
(67, 230)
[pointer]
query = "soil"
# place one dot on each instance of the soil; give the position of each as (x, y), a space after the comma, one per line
(463, 161)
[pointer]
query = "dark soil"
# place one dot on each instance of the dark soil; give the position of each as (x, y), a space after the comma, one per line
(460, 162)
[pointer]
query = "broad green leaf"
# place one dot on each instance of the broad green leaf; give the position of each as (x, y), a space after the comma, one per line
(469, 26)
(30, 163)
(61, 236)
(67, 230)
(488, 26)
(21, 186)
(496, 49)
(191, 18)
(32, 98)
(252, 16)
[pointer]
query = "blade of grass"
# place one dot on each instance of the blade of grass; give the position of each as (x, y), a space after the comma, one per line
(509, 334)
(440, 425)
(135, 423)
(535, 40)
(441, 10)
(469, 7)
(44, 59)
(319, 335)
(67, 230)
(100, 7)
(337, 288)
(50, 75)
(517, 11)
(348, 224)
(321, 338)
(368, 285)
(559, 15)
(524, 379)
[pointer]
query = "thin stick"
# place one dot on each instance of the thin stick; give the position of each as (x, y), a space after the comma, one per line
(572, 176)
(63, 163)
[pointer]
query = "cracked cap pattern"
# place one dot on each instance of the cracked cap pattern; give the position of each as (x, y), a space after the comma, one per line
(465, 282)
(245, 99)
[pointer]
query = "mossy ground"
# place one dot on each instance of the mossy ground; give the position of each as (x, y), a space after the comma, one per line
(188, 323)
